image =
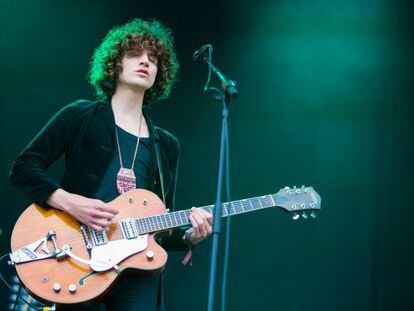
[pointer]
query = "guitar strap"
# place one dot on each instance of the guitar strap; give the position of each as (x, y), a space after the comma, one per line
(160, 170)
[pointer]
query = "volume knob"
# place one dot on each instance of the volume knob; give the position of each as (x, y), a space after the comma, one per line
(150, 255)
(56, 287)
(72, 288)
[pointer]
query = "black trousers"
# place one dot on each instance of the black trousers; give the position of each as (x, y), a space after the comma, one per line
(133, 292)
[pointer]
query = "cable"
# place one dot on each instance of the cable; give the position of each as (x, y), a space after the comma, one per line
(11, 289)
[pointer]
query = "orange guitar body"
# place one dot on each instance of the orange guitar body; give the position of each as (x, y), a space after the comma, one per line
(40, 276)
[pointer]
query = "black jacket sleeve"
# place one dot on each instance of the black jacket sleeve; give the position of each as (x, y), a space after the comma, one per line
(173, 241)
(28, 170)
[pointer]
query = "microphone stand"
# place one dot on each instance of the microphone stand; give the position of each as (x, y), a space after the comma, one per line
(217, 213)
(230, 91)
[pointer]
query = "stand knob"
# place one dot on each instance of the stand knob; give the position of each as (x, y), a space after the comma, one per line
(72, 288)
(56, 287)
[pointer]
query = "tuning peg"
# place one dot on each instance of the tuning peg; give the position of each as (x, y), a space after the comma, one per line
(303, 186)
(304, 215)
(286, 188)
(313, 215)
(296, 216)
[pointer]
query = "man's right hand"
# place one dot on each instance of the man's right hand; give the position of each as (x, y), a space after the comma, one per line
(91, 212)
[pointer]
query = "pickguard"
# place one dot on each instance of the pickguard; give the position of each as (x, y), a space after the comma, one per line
(108, 255)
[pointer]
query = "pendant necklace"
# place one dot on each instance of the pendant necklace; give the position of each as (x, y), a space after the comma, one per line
(125, 179)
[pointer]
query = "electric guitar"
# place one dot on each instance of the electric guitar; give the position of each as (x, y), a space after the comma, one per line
(62, 261)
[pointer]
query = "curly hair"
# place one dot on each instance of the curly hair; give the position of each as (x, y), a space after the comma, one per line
(132, 39)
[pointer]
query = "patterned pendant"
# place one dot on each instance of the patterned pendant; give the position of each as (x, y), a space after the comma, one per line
(125, 180)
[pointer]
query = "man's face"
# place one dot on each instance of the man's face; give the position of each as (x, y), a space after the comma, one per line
(138, 71)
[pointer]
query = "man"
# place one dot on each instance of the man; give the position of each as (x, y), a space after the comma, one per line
(111, 146)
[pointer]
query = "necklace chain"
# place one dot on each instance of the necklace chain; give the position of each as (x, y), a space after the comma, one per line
(136, 147)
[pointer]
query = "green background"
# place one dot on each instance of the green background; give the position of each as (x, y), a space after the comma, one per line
(326, 95)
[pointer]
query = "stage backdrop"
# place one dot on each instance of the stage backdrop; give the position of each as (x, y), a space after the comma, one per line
(326, 95)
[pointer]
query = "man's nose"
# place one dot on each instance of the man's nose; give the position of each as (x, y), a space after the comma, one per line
(144, 59)
(144, 62)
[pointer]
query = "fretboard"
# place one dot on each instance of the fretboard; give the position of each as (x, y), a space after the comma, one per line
(181, 218)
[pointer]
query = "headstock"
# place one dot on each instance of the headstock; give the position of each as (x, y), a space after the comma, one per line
(299, 201)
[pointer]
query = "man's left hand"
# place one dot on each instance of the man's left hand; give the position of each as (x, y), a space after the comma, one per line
(202, 223)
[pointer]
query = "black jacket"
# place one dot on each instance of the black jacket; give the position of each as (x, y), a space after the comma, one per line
(84, 132)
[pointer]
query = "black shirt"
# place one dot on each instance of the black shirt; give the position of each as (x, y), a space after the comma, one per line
(107, 190)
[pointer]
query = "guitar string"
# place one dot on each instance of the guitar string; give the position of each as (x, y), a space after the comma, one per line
(237, 209)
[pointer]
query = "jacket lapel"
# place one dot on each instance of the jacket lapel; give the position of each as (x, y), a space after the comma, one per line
(154, 139)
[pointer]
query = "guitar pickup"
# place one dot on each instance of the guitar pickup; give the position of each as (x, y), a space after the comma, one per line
(128, 228)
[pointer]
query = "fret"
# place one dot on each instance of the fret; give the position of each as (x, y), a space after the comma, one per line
(152, 224)
(276, 198)
(162, 220)
(144, 221)
(232, 206)
(186, 221)
(185, 216)
(169, 220)
(246, 207)
(142, 225)
(149, 223)
(273, 202)
(210, 209)
(224, 212)
(180, 216)
(140, 229)
(264, 200)
(174, 220)
(177, 219)
(238, 207)
(251, 205)
(256, 203)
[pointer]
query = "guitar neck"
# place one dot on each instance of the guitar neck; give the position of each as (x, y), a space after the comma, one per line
(181, 218)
